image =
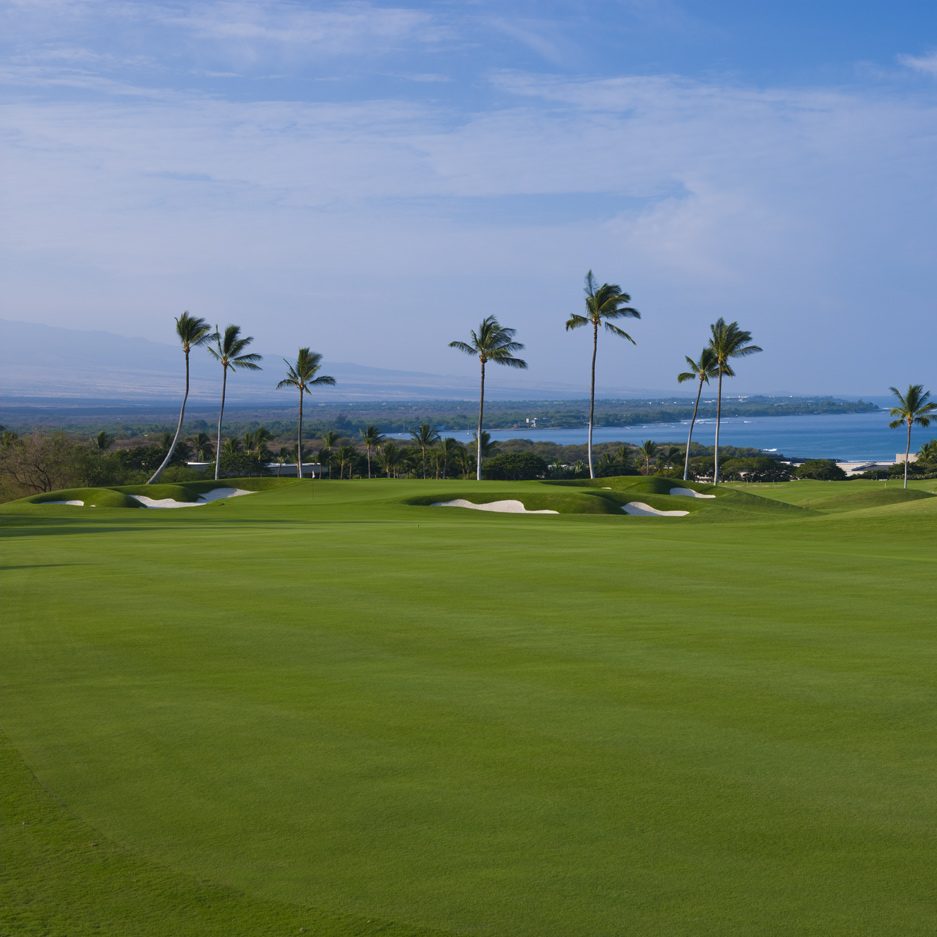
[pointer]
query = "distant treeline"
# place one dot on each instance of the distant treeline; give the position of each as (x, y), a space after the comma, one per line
(401, 416)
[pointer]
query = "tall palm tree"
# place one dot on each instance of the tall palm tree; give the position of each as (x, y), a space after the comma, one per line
(228, 349)
(603, 303)
(726, 341)
(371, 437)
(424, 436)
(303, 375)
(492, 342)
(701, 371)
(915, 406)
(192, 331)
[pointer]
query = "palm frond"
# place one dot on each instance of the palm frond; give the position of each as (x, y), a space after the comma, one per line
(621, 333)
(575, 321)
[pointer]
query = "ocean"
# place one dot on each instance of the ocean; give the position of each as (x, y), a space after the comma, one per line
(843, 437)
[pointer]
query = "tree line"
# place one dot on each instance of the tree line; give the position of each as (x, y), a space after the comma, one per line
(491, 343)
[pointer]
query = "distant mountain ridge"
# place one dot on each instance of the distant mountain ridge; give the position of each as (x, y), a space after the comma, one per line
(43, 361)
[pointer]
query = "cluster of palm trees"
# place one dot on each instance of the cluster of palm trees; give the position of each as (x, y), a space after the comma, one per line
(491, 342)
(495, 343)
(228, 348)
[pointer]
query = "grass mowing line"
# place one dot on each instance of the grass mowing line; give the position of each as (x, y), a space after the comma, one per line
(62, 878)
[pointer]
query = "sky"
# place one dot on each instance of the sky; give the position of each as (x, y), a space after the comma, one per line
(372, 179)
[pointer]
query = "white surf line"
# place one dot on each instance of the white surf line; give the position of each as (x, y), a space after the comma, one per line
(216, 494)
(689, 493)
(640, 509)
(79, 504)
(500, 507)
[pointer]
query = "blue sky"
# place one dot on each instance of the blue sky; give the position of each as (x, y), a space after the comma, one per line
(371, 179)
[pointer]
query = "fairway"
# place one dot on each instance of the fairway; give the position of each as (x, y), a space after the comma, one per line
(334, 707)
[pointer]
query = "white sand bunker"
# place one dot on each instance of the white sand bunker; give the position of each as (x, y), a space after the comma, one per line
(216, 494)
(640, 509)
(79, 504)
(501, 507)
(689, 493)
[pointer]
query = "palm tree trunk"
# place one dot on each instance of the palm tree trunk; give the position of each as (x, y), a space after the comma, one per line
(595, 346)
(718, 420)
(224, 387)
(299, 438)
(478, 432)
(175, 439)
(907, 455)
(369, 459)
(689, 438)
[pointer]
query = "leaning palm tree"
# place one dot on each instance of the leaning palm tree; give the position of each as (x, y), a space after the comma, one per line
(701, 371)
(424, 436)
(492, 342)
(371, 437)
(726, 341)
(915, 406)
(603, 303)
(302, 376)
(228, 349)
(192, 331)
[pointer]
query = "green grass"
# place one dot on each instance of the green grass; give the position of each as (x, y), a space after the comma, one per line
(329, 706)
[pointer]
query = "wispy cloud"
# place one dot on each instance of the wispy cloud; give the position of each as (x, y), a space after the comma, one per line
(927, 64)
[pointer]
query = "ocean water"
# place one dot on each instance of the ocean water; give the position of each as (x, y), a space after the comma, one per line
(844, 437)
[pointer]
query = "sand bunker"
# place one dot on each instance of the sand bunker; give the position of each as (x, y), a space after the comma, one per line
(640, 509)
(501, 507)
(216, 494)
(689, 493)
(79, 504)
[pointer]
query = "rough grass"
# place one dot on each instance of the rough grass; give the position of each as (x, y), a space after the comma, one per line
(324, 707)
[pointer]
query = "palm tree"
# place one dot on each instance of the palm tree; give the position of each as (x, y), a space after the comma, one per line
(255, 442)
(345, 456)
(229, 350)
(726, 341)
(329, 438)
(201, 446)
(371, 437)
(449, 449)
(492, 342)
(390, 456)
(928, 452)
(103, 441)
(701, 371)
(913, 407)
(648, 450)
(302, 376)
(424, 436)
(192, 331)
(603, 303)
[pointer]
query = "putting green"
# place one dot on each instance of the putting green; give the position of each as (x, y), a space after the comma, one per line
(330, 706)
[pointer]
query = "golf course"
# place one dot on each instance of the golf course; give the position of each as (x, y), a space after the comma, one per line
(340, 708)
